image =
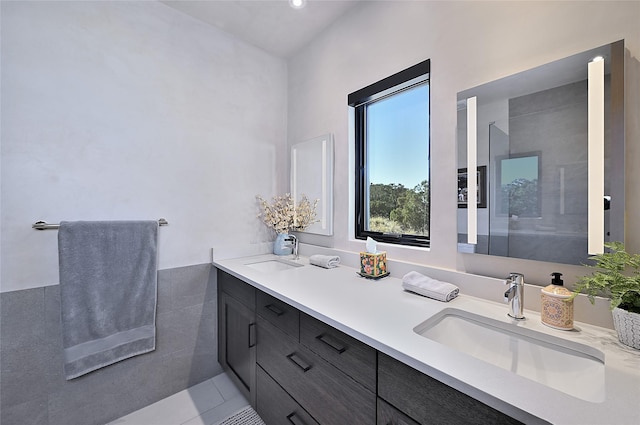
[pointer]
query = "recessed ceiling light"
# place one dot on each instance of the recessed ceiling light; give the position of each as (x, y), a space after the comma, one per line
(297, 4)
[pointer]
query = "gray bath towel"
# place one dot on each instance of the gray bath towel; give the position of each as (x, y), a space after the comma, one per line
(108, 289)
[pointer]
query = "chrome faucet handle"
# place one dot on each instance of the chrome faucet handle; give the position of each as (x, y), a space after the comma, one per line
(294, 239)
(515, 295)
(515, 278)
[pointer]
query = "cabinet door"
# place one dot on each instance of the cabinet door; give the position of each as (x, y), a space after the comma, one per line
(429, 401)
(237, 343)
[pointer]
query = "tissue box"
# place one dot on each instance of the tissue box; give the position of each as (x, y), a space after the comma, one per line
(373, 264)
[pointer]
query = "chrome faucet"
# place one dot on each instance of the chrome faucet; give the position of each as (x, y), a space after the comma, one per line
(515, 295)
(294, 242)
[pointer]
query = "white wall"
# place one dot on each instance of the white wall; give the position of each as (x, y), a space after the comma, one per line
(132, 110)
(469, 43)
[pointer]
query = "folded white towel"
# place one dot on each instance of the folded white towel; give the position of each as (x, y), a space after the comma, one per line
(424, 285)
(326, 261)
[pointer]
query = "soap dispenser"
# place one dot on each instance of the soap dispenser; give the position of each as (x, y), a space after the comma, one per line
(557, 305)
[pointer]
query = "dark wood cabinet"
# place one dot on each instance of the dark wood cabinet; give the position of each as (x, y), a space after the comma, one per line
(329, 395)
(389, 415)
(278, 313)
(298, 370)
(275, 406)
(429, 401)
(352, 357)
(237, 333)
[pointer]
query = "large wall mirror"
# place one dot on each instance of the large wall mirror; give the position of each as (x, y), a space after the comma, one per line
(550, 144)
(312, 175)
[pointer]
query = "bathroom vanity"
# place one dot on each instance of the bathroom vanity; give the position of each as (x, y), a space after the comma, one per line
(327, 346)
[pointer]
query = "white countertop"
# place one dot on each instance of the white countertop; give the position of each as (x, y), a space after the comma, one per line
(382, 315)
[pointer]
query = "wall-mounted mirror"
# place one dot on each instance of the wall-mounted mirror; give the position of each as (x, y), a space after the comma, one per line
(312, 175)
(550, 142)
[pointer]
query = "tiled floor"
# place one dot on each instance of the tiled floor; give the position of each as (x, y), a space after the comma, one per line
(207, 403)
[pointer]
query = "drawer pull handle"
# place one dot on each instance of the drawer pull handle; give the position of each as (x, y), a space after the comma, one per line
(293, 418)
(335, 346)
(275, 310)
(252, 335)
(299, 362)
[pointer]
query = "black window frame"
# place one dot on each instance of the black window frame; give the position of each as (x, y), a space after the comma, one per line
(403, 80)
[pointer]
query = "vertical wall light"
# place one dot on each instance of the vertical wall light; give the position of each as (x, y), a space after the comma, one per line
(472, 164)
(596, 155)
(294, 179)
(325, 172)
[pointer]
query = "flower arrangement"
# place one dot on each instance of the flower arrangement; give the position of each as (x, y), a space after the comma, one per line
(282, 215)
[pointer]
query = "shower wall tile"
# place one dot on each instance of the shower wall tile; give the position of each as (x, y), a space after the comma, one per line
(111, 392)
(207, 337)
(164, 293)
(184, 370)
(192, 287)
(32, 412)
(34, 390)
(21, 329)
(179, 329)
(52, 343)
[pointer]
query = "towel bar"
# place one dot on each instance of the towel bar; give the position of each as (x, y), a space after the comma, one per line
(43, 225)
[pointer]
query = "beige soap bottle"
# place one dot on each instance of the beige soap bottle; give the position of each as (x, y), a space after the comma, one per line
(557, 307)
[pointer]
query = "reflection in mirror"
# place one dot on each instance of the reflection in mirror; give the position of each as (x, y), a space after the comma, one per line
(533, 132)
(312, 175)
(518, 191)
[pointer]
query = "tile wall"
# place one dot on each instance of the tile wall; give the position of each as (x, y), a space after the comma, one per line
(32, 386)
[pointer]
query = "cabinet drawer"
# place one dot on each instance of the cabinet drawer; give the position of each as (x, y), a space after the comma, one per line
(389, 415)
(329, 395)
(428, 400)
(279, 313)
(237, 288)
(275, 406)
(351, 356)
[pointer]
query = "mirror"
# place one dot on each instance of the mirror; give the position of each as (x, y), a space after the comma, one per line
(312, 175)
(531, 137)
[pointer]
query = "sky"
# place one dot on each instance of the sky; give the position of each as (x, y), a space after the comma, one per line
(398, 138)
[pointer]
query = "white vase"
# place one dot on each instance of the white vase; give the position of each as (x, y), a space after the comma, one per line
(281, 246)
(627, 325)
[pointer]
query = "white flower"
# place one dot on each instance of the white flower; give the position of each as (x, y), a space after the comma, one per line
(282, 215)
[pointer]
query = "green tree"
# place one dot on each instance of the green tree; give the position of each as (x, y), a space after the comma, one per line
(520, 197)
(383, 198)
(413, 210)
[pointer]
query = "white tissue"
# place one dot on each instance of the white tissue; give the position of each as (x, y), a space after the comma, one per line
(371, 246)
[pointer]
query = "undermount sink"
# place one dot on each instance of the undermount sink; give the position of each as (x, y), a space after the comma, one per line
(270, 266)
(573, 368)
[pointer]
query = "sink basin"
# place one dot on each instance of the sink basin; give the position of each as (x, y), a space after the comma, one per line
(271, 266)
(573, 368)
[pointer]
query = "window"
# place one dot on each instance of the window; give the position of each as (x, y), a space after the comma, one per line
(392, 158)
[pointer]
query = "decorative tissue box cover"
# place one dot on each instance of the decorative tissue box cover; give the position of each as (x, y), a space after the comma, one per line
(373, 264)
